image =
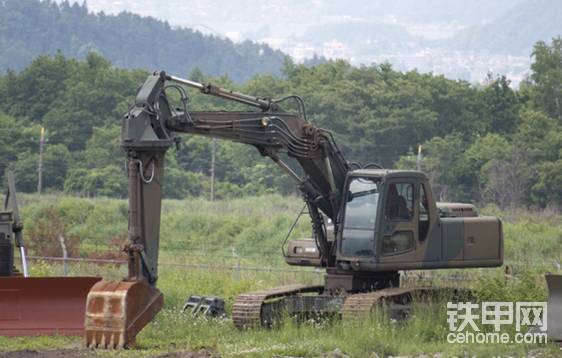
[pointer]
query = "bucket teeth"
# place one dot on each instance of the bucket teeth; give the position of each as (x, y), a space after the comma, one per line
(117, 311)
(106, 340)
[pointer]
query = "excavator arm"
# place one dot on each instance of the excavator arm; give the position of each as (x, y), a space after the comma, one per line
(152, 124)
(150, 128)
(274, 133)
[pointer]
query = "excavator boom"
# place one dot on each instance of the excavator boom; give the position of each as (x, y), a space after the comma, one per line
(116, 311)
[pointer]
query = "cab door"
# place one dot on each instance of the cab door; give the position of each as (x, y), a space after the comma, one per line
(399, 225)
(429, 248)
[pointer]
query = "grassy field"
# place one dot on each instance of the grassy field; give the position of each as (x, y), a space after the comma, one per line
(249, 232)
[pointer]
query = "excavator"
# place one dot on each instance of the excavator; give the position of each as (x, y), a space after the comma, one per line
(369, 223)
(31, 306)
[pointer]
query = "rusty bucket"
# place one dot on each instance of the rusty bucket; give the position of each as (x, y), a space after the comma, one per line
(43, 305)
(554, 308)
(116, 311)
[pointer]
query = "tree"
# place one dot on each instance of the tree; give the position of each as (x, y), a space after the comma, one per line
(506, 179)
(99, 169)
(15, 138)
(501, 105)
(539, 135)
(441, 163)
(30, 93)
(546, 190)
(547, 77)
(33, 27)
(490, 143)
(475, 162)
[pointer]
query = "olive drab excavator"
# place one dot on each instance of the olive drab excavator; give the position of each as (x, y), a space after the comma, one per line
(11, 225)
(368, 223)
(32, 306)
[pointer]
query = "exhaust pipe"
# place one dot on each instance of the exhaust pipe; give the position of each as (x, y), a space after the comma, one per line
(23, 261)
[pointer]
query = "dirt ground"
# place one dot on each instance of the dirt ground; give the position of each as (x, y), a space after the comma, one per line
(55, 353)
(84, 353)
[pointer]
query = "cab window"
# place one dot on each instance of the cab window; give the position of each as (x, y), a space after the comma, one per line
(400, 201)
(360, 217)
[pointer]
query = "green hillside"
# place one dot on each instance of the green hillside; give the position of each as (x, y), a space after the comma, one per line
(29, 28)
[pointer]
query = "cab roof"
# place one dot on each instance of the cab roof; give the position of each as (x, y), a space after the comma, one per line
(389, 173)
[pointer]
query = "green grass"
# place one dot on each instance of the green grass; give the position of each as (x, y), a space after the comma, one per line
(249, 232)
(176, 331)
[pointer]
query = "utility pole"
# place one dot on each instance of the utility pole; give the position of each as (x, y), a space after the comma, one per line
(213, 158)
(40, 163)
(419, 159)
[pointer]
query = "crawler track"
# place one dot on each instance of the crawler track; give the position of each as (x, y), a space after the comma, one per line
(263, 308)
(396, 300)
(247, 310)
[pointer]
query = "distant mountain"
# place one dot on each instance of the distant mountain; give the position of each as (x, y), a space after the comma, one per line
(463, 12)
(515, 32)
(363, 37)
(32, 27)
(228, 15)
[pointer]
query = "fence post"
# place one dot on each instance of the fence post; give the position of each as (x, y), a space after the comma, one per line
(237, 267)
(64, 255)
(40, 162)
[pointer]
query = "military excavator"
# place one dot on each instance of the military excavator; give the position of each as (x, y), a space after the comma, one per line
(368, 222)
(31, 306)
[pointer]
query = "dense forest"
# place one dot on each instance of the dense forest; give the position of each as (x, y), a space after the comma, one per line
(487, 143)
(29, 28)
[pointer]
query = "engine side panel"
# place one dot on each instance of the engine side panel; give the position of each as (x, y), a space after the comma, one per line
(483, 239)
(452, 233)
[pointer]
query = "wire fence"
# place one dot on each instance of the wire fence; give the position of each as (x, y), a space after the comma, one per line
(459, 278)
(67, 260)
(423, 278)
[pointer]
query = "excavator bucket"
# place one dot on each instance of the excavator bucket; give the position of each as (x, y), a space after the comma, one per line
(554, 308)
(116, 311)
(43, 305)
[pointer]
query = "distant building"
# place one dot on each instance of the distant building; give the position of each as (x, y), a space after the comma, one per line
(335, 49)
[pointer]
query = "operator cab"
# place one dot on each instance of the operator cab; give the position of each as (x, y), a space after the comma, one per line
(385, 214)
(389, 221)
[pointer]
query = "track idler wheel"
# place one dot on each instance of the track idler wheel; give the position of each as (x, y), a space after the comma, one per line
(116, 311)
